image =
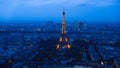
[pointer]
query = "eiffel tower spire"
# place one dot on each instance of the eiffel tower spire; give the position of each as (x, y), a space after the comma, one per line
(63, 23)
(63, 41)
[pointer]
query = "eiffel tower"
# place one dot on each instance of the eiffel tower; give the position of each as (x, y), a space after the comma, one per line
(63, 41)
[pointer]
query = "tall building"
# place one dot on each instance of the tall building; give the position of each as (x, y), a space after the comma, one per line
(63, 41)
(76, 25)
(63, 47)
(83, 25)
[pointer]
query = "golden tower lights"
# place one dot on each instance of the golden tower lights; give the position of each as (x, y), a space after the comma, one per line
(63, 41)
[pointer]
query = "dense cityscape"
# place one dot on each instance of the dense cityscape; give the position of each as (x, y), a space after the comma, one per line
(59, 34)
(34, 45)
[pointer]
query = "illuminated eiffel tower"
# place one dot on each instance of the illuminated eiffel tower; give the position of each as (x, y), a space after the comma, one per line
(63, 41)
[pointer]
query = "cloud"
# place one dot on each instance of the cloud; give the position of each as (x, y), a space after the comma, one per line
(38, 3)
(7, 7)
(68, 2)
(102, 3)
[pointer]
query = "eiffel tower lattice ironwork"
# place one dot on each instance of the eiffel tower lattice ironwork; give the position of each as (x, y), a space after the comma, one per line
(63, 41)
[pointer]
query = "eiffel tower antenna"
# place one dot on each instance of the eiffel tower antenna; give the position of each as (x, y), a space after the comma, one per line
(63, 41)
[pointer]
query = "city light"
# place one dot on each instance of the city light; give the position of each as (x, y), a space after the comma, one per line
(58, 46)
(68, 40)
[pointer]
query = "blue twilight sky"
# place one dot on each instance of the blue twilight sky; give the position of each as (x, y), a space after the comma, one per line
(35, 10)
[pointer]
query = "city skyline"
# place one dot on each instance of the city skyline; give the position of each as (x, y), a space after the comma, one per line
(65, 45)
(42, 10)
